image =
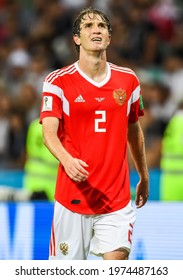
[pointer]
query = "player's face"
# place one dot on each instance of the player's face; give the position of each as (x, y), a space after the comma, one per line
(94, 35)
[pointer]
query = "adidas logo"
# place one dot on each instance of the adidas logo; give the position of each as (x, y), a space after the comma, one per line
(79, 99)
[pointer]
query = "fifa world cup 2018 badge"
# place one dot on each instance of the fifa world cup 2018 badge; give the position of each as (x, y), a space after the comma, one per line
(119, 96)
(64, 248)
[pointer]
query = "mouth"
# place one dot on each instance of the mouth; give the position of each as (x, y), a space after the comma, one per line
(96, 39)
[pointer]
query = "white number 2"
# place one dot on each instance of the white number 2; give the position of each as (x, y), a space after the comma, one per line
(102, 119)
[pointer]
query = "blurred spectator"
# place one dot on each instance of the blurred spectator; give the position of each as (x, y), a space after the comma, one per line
(26, 103)
(40, 166)
(171, 185)
(77, 5)
(161, 105)
(12, 133)
(164, 14)
(17, 135)
(158, 113)
(16, 71)
(49, 30)
(4, 129)
(38, 70)
(14, 20)
(173, 76)
(143, 49)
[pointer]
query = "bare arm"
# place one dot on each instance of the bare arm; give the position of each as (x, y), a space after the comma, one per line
(137, 149)
(75, 168)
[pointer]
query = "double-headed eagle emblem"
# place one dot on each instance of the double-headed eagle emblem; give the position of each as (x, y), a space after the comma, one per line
(119, 96)
(64, 248)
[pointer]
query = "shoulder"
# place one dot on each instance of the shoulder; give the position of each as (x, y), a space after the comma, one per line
(124, 70)
(59, 73)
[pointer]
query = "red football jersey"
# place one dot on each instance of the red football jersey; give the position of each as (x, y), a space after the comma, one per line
(94, 121)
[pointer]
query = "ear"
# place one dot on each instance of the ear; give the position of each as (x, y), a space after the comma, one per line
(109, 40)
(76, 40)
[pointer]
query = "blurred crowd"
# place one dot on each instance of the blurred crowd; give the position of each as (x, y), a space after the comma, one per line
(36, 38)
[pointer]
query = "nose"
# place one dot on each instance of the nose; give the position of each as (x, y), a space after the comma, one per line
(96, 28)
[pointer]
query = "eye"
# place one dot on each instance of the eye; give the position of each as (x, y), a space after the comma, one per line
(102, 25)
(88, 25)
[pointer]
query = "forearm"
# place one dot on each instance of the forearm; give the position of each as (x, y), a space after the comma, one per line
(75, 168)
(54, 145)
(51, 140)
(137, 149)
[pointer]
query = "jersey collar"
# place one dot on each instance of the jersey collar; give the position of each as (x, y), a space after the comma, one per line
(92, 81)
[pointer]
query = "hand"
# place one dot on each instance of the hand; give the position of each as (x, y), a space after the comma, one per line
(75, 169)
(142, 193)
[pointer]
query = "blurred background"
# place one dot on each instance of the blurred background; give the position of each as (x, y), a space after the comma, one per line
(36, 38)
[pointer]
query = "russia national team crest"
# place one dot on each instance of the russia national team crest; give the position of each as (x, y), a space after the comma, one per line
(120, 96)
(64, 248)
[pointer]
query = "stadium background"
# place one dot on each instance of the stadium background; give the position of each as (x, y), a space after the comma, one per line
(35, 38)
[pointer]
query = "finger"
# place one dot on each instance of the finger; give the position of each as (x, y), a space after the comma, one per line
(78, 178)
(83, 163)
(140, 204)
(137, 200)
(141, 201)
(81, 171)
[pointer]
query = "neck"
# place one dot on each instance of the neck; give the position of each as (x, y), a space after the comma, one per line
(94, 67)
